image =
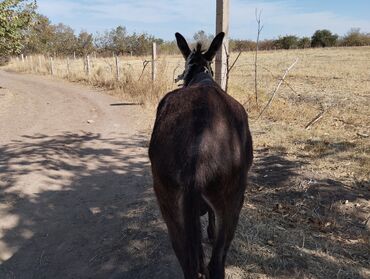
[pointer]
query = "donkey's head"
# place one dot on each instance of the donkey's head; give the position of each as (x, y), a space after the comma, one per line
(197, 60)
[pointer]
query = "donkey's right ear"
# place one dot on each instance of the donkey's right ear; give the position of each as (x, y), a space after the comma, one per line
(214, 47)
(183, 45)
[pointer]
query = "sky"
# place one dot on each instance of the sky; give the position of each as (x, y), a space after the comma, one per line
(162, 18)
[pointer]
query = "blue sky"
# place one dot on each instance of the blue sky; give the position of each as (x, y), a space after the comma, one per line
(163, 18)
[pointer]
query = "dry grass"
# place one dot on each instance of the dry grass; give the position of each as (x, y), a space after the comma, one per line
(307, 209)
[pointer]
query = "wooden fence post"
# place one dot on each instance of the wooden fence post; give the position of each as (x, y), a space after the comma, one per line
(31, 62)
(51, 66)
(68, 71)
(117, 67)
(88, 66)
(74, 55)
(40, 65)
(22, 57)
(222, 25)
(154, 61)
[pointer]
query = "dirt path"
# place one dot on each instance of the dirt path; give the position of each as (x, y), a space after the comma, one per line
(75, 188)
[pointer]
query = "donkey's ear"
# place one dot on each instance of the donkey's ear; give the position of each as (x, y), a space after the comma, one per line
(214, 47)
(183, 45)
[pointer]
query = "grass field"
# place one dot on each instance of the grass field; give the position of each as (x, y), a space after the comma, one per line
(307, 207)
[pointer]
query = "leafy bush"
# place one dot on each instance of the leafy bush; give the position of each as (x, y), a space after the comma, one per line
(287, 42)
(15, 17)
(323, 38)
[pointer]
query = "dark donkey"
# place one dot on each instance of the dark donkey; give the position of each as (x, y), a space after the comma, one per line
(201, 151)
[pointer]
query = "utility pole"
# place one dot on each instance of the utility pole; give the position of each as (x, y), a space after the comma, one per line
(222, 25)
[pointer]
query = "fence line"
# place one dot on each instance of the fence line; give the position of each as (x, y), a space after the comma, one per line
(88, 64)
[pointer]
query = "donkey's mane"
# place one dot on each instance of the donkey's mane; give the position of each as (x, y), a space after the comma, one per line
(199, 48)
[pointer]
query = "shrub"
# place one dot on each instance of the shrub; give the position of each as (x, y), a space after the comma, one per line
(323, 38)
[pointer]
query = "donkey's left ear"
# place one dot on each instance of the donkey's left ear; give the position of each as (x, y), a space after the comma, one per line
(182, 45)
(214, 47)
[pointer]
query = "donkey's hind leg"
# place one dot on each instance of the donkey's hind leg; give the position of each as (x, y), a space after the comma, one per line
(211, 225)
(226, 223)
(173, 206)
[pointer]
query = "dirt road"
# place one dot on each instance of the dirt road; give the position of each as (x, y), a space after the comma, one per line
(75, 188)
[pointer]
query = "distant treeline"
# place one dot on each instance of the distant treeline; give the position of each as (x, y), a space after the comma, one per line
(23, 30)
(60, 40)
(321, 38)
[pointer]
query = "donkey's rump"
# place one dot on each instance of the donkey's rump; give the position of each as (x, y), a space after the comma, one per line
(204, 144)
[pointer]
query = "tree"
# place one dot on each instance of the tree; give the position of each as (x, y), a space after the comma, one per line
(355, 38)
(15, 17)
(304, 42)
(203, 38)
(104, 42)
(40, 36)
(119, 38)
(140, 44)
(287, 42)
(85, 43)
(323, 38)
(65, 41)
(241, 45)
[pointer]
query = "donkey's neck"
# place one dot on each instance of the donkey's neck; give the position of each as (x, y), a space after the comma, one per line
(198, 75)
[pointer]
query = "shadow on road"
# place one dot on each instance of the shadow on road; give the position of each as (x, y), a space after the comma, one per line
(80, 206)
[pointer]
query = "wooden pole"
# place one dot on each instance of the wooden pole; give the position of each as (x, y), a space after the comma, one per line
(68, 70)
(74, 55)
(88, 66)
(22, 57)
(40, 65)
(222, 25)
(31, 62)
(51, 66)
(154, 59)
(117, 67)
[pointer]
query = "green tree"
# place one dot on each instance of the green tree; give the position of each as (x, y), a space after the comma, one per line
(15, 17)
(287, 42)
(304, 42)
(40, 36)
(104, 42)
(119, 39)
(85, 43)
(323, 38)
(64, 41)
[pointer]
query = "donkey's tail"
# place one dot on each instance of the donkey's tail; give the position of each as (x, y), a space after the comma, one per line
(194, 250)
